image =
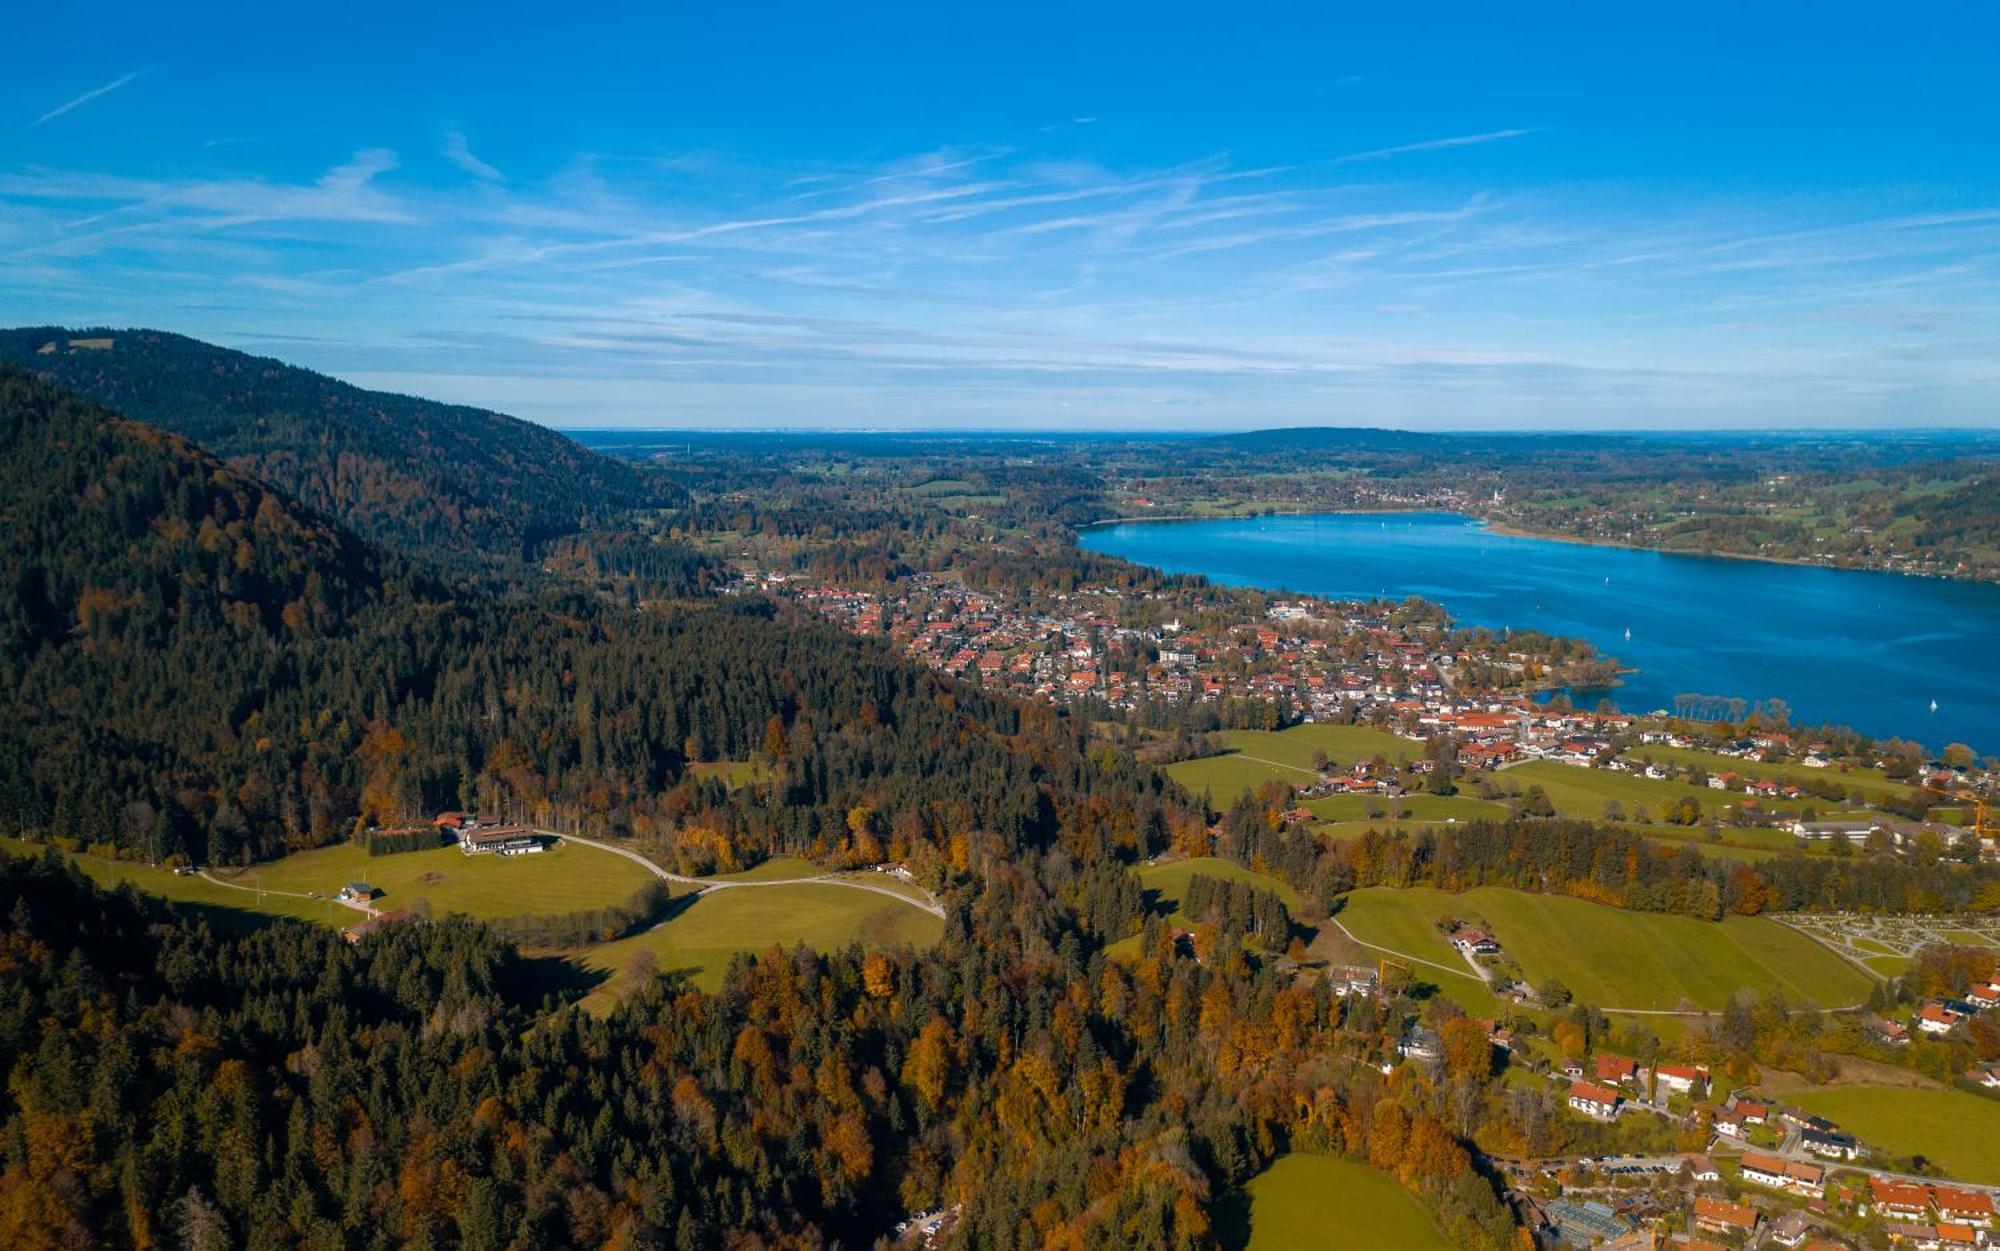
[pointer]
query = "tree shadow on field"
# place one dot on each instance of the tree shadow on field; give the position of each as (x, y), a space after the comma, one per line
(1232, 1220)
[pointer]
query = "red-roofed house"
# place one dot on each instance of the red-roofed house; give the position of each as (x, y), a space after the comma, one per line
(1964, 1207)
(1593, 1100)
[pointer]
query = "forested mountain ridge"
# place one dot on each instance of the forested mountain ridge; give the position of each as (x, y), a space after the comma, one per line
(413, 473)
(198, 665)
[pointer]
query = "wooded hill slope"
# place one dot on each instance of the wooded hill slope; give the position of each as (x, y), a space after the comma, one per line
(194, 663)
(409, 472)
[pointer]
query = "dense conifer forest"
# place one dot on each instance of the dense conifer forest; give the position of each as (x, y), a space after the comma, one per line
(410, 472)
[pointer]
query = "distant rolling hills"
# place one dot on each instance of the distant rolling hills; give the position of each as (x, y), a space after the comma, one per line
(412, 473)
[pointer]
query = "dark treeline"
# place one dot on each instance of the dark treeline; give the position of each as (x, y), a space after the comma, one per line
(163, 1084)
(396, 842)
(1596, 862)
(1239, 908)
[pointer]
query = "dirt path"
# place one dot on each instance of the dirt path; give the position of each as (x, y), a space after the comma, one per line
(210, 878)
(710, 885)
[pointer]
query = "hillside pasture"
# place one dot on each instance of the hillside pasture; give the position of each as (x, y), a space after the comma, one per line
(1610, 957)
(1873, 784)
(567, 878)
(1413, 809)
(1581, 792)
(1958, 1130)
(1169, 881)
(702, 937)
(220, 903)
(1259, 756)
(1319, 1201)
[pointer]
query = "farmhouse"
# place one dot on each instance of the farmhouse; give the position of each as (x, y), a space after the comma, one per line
(355, 892)
(479, 836)
(1716, 1216)
(1617, 1069)
(1593, 1100)
(1475, 942)
(1765, 1170)
(1681, 1078)
(1934, 1018)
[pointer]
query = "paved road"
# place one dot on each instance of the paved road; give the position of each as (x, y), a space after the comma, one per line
(709, 885)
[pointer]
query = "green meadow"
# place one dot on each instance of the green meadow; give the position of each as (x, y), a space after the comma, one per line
(1610, 957)
(700, 940)
(1318, 1201)
(1171, 880)
(568, 878)
(1958, 1130)
(1259, 756)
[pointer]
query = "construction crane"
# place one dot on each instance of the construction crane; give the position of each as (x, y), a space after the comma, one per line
(1982, 824)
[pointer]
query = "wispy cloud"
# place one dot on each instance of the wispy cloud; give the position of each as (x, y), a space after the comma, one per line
(998, 283)
(460, 154)
(1435, 145)
(85, 98)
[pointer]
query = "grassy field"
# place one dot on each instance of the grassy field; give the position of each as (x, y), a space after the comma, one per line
(191, 891)
(1959, 1130)
(1171, 880)
(701, 938)
(1581, 792)
(1259, 756)
(1412, 808)
(734, 773)
(1871, 782)
(1610, 957)
(1317, 1201)
(569, 878)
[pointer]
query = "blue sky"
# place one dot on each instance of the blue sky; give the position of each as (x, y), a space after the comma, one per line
(1136, 216)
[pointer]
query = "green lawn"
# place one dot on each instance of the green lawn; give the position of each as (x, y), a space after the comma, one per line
(568, 878)
(1957, 1129)
(1259, 756)
(701, 939)
(1609, 957)
(1316, 1201)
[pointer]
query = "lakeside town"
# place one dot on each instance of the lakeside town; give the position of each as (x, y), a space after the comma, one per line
(1479, 703)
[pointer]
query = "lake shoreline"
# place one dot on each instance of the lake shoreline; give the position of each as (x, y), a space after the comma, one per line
(1860, 651)
(1518, 532)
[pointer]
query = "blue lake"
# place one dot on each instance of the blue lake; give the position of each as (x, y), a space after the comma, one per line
(1869, 650)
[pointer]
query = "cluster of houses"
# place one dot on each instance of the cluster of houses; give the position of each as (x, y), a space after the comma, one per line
(1942, 1016)
(1602, 1090)
(1321, 660)
(1071, 646)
